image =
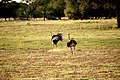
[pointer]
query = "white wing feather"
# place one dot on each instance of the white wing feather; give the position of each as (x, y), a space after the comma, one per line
(56, 38)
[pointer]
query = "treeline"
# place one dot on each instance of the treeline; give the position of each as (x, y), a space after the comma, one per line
(56, 9)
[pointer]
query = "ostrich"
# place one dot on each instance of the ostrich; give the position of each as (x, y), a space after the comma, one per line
(71, 43)
(56, 38)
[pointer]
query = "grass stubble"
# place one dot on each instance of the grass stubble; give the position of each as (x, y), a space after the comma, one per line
(26, 52)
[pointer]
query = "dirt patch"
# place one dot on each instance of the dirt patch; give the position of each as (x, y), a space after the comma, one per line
(57, 50)
(54, 63)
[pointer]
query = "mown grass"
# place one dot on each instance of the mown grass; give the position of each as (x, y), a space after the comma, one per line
(15, 35)
(26, 51)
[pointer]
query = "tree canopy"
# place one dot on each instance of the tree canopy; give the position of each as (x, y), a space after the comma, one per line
(55, 9)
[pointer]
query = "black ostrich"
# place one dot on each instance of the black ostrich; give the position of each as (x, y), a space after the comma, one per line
(56, 38)
(71, 43)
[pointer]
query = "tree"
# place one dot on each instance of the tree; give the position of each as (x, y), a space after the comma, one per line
(83, 7)
(55, 9)
(43, 4)
(12, 9)
(37, 13)
(4, 8)
(72, 9)
(22, 12)
(31, 7)
(118, 12)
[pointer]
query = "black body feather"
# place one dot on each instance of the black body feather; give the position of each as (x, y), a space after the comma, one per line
(56, 38)
(71, 43)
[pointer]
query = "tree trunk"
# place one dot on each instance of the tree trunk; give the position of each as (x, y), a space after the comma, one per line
(44, 16)
(118, 12)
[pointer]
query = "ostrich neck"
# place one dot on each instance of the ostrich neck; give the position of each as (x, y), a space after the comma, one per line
(69, 37)
(51, 34)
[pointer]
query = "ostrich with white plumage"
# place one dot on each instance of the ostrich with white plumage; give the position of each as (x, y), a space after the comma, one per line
(56, 38)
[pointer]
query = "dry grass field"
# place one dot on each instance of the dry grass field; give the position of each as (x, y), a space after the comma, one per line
(26, 52)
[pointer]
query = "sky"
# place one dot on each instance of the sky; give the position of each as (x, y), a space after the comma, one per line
(17, 0)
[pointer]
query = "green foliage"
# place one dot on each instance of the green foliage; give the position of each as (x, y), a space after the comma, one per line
(118, 12)
(22, 12)
(37, 13)
(72, 11)
(55, 9)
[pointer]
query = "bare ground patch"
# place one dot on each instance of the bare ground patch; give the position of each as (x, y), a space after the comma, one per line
(45, 64)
